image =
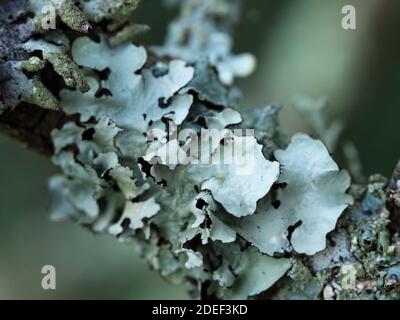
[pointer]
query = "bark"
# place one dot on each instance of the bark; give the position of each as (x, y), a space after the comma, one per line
(32, 126)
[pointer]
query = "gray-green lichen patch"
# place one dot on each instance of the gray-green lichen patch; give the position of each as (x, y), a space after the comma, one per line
(243, 273)
(135, 213)
(293, 221)
(38, 94)
(40, 20)
(21, 65)
(267, 129)
(361, 260)
(118, 177)
(238, 187)
(133, 100)
(33, 64)
(128, 33)
(46, 10)
(259, 272)
(334, 255)
(218, 227)
(98, 10)
(206, 85)
(237, 173)
(207, 225)
(17, 87)
(201, 34)
(111, 184)
(61, 62)
(314, 112)
(72, 16)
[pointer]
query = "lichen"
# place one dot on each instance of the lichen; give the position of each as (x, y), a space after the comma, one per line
(128, 33)
(280, 225)
(292, 220)
(185, 216)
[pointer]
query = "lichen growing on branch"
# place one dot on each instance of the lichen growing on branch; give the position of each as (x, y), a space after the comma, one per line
(293, 227)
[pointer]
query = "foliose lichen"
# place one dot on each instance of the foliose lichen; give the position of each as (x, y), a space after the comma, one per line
(287, 229)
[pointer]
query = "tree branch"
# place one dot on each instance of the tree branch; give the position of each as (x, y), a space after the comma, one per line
(32, 126)
(210, 229)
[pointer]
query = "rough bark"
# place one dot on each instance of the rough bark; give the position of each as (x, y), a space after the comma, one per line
(32, 126)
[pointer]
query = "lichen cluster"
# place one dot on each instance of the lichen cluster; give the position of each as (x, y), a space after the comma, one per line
(286, 226)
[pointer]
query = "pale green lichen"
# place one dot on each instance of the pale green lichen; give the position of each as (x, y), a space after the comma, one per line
(176, 217)
(78, 14)
(72, 16)
(61, 62)
(313, 111)
(201, 33)
(98, 10)
(143, 92)
(128, 33)
(173, 216)
(181, 214)
(39, 94)
(238, 187)
(17, 87)
(68, 12)
(293, 220)
(283, 226)
(33, 64)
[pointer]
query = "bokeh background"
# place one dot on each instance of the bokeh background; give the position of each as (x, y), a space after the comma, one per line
(301, 48)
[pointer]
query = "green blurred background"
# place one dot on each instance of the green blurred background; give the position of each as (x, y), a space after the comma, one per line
(301, 48)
